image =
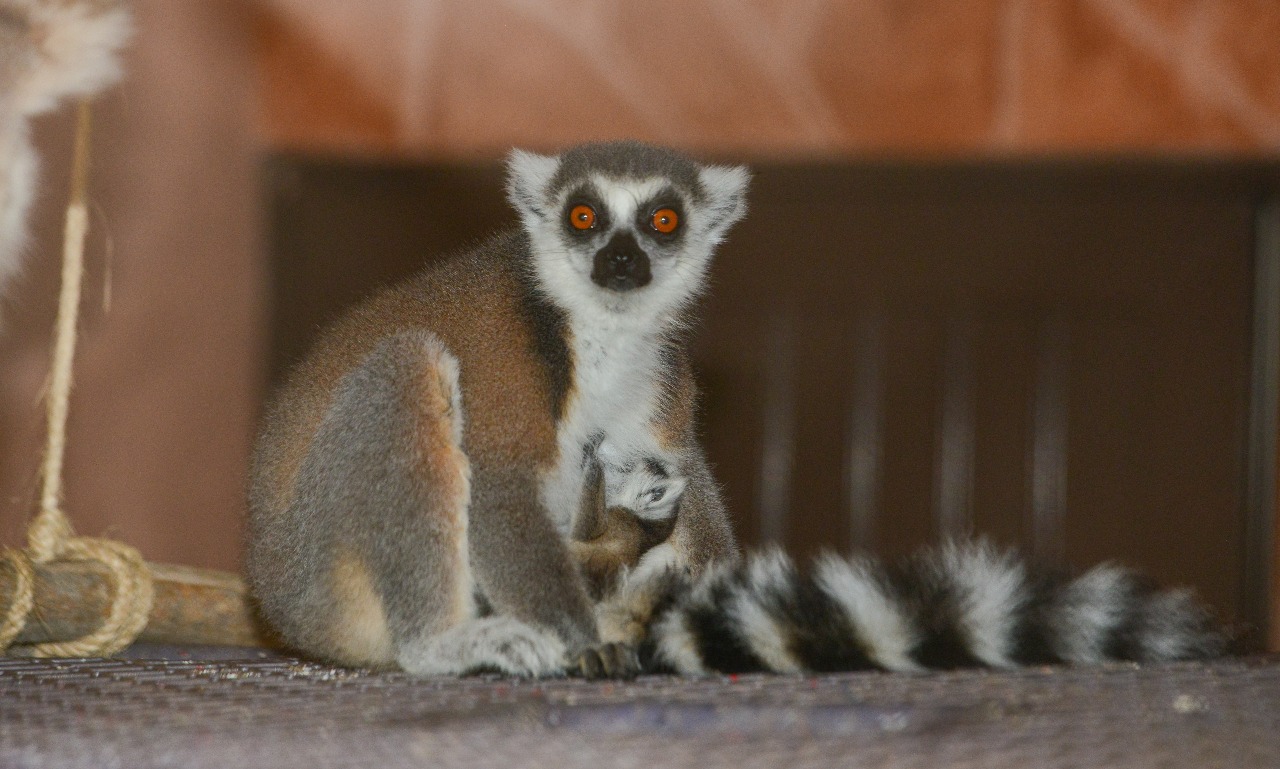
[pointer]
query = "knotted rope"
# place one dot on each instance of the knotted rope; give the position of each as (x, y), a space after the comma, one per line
(50, 536)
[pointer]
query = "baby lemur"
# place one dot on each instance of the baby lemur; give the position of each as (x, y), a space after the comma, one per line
(415, 479)
(620, 522)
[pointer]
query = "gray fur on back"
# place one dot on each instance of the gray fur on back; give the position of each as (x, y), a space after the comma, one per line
(626, 160)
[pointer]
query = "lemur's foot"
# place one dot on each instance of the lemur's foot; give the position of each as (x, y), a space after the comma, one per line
(606, 660)
(492, 644)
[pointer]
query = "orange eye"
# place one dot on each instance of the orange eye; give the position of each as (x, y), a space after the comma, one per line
(665, 220)
(582, 217)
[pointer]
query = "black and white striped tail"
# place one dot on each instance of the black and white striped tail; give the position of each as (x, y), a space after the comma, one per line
(956, 606)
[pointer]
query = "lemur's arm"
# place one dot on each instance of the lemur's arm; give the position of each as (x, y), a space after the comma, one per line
(521, 564)
(703, 533)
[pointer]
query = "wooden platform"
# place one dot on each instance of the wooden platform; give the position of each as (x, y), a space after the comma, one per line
(281, 712)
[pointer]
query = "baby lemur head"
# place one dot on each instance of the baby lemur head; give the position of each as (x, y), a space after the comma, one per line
(623, 227)
(645, 491)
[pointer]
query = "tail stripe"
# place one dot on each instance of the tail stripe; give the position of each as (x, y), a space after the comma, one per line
(674, 647)
(929, 599)
(820, 637)
(719, 641)
(1080, 620)
(1033, 640)
(990, 591)
(758, 606)
(1174, 627)
(1125, 638)
(884, 633)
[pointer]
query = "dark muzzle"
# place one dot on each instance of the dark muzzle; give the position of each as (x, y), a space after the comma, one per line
(621, 265)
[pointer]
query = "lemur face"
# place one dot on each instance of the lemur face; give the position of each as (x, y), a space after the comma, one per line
(624, 226)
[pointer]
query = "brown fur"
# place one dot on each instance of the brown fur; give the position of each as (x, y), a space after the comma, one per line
(702, 532)
(676, 420)
(508, 416)
(472, 306)
(360, 634)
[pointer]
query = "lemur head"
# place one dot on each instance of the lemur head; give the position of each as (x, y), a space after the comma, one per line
(623, 227)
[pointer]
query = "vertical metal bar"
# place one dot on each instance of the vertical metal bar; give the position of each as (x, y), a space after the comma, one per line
(1260, 483)
(953, 461)
(779, 427)
(866, 432)
(1048, 456)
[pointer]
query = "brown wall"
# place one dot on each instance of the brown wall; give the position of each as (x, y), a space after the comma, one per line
(776, 77)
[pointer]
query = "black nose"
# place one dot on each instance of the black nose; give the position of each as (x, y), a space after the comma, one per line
(621, 265)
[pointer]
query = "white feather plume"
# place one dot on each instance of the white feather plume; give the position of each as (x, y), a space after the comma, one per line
(50, 51)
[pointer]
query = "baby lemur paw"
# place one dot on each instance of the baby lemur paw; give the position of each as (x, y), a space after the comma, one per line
(606, 660)
(491, 644)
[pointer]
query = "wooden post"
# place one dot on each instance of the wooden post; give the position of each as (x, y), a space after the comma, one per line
(191, 606)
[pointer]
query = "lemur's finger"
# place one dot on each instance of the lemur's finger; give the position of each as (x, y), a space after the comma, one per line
(609, 660)
(589, 664)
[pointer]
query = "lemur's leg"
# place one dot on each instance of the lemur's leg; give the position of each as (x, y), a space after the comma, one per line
(381, 498)
(386, 488)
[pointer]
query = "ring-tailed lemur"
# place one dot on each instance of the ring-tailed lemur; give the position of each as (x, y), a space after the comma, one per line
(415, 480)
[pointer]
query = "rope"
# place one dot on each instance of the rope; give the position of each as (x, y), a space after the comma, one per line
(23, 599)
(50, 536)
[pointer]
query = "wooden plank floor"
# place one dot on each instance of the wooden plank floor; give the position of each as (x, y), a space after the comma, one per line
(192, 710)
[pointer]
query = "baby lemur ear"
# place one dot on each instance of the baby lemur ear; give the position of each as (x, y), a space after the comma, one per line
(726, 189)
(675, 491)
(528, 176)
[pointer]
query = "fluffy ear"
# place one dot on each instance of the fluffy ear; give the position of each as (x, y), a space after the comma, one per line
(674, 491)
(528, 175)
(726, 188)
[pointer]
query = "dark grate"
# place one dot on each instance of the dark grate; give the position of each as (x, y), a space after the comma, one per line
(281, 712)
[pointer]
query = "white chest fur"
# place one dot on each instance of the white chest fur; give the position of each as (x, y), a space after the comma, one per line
(616, 390)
